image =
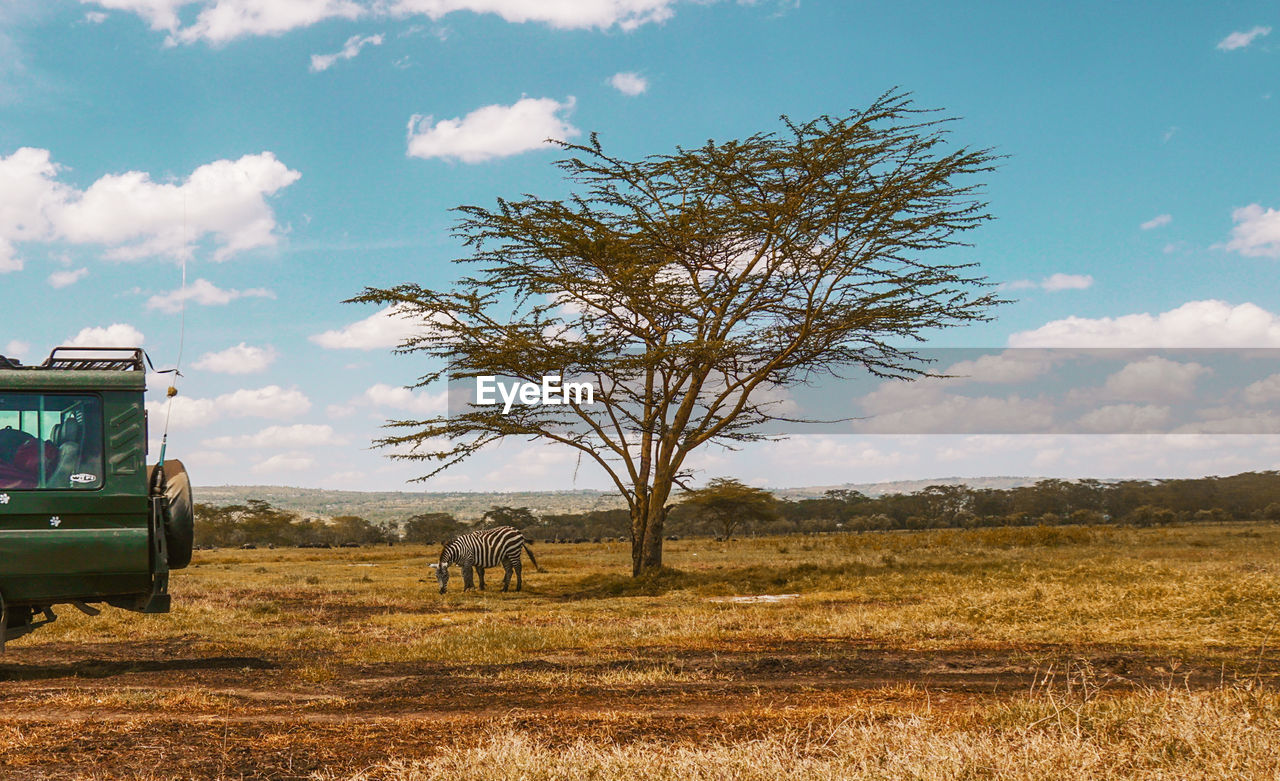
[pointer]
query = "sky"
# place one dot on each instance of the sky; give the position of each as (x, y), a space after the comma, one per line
(285, 154)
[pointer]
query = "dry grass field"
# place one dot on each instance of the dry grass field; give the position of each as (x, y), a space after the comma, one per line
(1007, 653)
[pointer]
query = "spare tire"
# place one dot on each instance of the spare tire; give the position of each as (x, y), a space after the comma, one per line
(179, 517)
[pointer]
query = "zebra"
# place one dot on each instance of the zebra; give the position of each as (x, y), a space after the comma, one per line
(488, 548)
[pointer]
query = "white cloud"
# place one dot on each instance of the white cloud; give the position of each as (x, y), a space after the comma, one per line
(923, 407)
(898, 395)
(1056, 282)
(284, 462)
(388, 327)
(220, 21)
(61, 279)
(350, 477)
(240, 359)
(322, 62)
(1257, 232)
(1047, 458)
(225, 198)
(422, 403)
(202, 292)
(562, 14)
(200, 460)
(300, 435)
(28, 194)
(1010, 366)
(535, 459)
(1160, 220)
(1238, 40)
(1155, 379)
(492, 131)
(1228, 421)
(845, 451)
(271, 401)
(1265, 391)
(1052, 283)
(629, 83)
(339, 411)
(114, 335)
(964, 415)
(160, 14)
(135, 217)
(1194, 324)
(16, 349)
(183, 412)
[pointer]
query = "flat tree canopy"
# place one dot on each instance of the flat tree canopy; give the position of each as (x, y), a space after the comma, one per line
(691, 287)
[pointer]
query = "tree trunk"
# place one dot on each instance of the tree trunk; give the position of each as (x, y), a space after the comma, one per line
(639, 520)
(646, 547)
(652, 552)
(646, 539)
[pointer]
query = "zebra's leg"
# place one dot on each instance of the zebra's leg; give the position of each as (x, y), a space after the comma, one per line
(480, 573)
(506, 570)
(467, 583)
(519, 579)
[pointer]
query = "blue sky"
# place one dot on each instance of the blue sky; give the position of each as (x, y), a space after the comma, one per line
(295, 151)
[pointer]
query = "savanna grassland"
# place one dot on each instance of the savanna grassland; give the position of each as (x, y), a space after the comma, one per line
(1062, 652)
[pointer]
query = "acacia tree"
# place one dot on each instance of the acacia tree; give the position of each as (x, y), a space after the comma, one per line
(692, 288)
(727, 503)
(501, 515)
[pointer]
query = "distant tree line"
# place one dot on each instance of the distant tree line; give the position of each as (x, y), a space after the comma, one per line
(1248, 496)
(727, 507)
(259, 523)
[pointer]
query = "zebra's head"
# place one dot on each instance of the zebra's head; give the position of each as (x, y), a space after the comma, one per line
(442, 569)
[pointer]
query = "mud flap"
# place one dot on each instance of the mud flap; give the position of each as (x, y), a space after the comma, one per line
(158, 600)
(28, 626)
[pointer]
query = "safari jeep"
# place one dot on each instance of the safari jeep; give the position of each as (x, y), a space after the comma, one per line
(83, 520)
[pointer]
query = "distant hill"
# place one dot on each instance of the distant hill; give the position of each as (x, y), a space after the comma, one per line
(905, 486)
(399, 505)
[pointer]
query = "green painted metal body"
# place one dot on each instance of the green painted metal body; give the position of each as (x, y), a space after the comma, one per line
(86, 545)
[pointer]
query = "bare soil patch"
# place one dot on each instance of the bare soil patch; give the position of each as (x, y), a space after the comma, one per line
(68, 709)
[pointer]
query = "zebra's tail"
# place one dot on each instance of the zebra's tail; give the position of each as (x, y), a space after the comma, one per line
(529, 551)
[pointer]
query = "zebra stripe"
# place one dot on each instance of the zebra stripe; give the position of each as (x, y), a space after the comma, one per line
(501, 546)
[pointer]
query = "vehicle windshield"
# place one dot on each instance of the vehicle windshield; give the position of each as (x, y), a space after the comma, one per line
(50, 441)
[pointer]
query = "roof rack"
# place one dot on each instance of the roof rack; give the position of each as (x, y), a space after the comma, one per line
(105, 359)
(9, 363)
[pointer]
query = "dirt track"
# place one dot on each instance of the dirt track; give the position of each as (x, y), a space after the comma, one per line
(121, 709)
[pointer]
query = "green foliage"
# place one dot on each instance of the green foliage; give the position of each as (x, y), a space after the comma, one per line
(259, 523)
(1048, 503)
(499, 515)
(432, 528)
(725, 504)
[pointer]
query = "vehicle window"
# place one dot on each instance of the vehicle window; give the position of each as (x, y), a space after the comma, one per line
(50, 441)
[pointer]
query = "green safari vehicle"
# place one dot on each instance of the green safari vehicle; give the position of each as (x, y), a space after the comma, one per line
(83, 519)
